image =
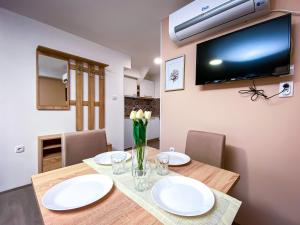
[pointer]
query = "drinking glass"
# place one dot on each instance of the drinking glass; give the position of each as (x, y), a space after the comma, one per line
(141, 179)
(162, 161)
(151, 163)
(118, 163)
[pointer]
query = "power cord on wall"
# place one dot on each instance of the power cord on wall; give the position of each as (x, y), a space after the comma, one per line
(253, 91)
(256, 93)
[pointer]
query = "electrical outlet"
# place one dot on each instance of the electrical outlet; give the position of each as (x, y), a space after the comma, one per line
(20, 149)
(289, 91)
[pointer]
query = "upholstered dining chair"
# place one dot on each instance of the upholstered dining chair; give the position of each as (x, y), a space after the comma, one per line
(77, 146)
(205, 147)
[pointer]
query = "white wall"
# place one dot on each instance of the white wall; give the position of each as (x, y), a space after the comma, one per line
(20, 122)
(157, 86)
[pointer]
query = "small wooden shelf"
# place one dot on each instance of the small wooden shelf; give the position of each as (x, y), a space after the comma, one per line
(52, 161)
(52, 146)
(50, 152)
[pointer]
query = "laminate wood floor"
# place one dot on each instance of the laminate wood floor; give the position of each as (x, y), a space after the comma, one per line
(153, 143)
(19, 207)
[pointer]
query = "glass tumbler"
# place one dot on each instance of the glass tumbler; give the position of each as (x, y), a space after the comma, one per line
(162, 161)
(141, 179)
(118, 163)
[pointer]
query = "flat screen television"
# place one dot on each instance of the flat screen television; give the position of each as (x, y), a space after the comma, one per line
(257, 51)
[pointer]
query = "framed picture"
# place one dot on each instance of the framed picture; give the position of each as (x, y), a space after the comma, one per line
(174, 74)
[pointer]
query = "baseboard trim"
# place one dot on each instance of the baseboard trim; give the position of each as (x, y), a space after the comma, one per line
(15, 189)
(155, 139)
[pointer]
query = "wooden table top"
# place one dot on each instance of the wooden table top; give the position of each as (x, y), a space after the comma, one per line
(116, 208)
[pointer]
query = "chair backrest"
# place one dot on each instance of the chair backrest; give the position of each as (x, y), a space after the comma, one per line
(205, 147)
(77, 146)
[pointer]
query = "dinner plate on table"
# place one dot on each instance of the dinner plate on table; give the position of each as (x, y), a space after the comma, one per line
(177, 158)
(77, 192)
(183, 196)
(105, 158)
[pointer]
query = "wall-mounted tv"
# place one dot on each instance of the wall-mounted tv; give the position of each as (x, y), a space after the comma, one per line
(257, 51)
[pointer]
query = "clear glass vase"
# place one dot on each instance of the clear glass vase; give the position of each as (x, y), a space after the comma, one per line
(139, 156)
(139, 153)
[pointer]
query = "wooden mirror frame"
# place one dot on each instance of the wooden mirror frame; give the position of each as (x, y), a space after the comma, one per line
(39, 52)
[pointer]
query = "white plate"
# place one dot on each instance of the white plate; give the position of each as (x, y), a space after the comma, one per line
(105, 158)
(183, 196)
(77, 192)
(177, 158)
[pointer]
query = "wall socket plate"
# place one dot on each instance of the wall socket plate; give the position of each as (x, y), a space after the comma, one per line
(287, 93)
(20, 149)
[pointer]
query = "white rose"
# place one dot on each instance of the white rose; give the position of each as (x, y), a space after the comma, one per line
(132, 115)
(140, 114)
(148, 115)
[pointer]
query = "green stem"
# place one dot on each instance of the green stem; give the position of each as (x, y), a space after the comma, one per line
(140, 156)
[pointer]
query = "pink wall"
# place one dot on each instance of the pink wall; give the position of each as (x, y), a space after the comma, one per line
(263, 142)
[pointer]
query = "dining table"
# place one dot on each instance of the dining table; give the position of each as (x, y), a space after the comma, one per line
(116, 207)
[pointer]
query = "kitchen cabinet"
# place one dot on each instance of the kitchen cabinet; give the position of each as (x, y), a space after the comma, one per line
(130, 87)
(153, 128)
(128, 140)
(147, 89)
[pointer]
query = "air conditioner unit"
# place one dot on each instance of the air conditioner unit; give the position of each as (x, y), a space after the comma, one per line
(204, 17)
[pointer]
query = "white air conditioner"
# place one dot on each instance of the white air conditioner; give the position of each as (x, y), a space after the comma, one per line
(204, 17)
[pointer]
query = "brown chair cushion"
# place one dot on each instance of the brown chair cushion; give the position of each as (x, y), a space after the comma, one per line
(82, 145)
(205, 147)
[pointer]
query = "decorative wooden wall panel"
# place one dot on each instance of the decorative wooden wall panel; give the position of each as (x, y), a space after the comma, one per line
(91, 101)
(94, 69)
(102, 98)
(79, 98)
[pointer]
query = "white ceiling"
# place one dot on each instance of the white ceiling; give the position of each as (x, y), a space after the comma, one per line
(129, 26)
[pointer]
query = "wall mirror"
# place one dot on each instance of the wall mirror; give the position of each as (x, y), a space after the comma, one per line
(53, 84)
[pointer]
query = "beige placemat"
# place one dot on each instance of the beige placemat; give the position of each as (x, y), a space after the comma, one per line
(223, 212)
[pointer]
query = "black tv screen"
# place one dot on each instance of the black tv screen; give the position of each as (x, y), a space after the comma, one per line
(256, 51)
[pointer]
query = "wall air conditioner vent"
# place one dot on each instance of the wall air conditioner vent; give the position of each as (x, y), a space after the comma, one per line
(204, 17)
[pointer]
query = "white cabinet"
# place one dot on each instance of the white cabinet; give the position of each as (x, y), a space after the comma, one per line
(147, 88)
(128, 141)
(153, 128)
(130, 87)
(152, 131)
(156, 127)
